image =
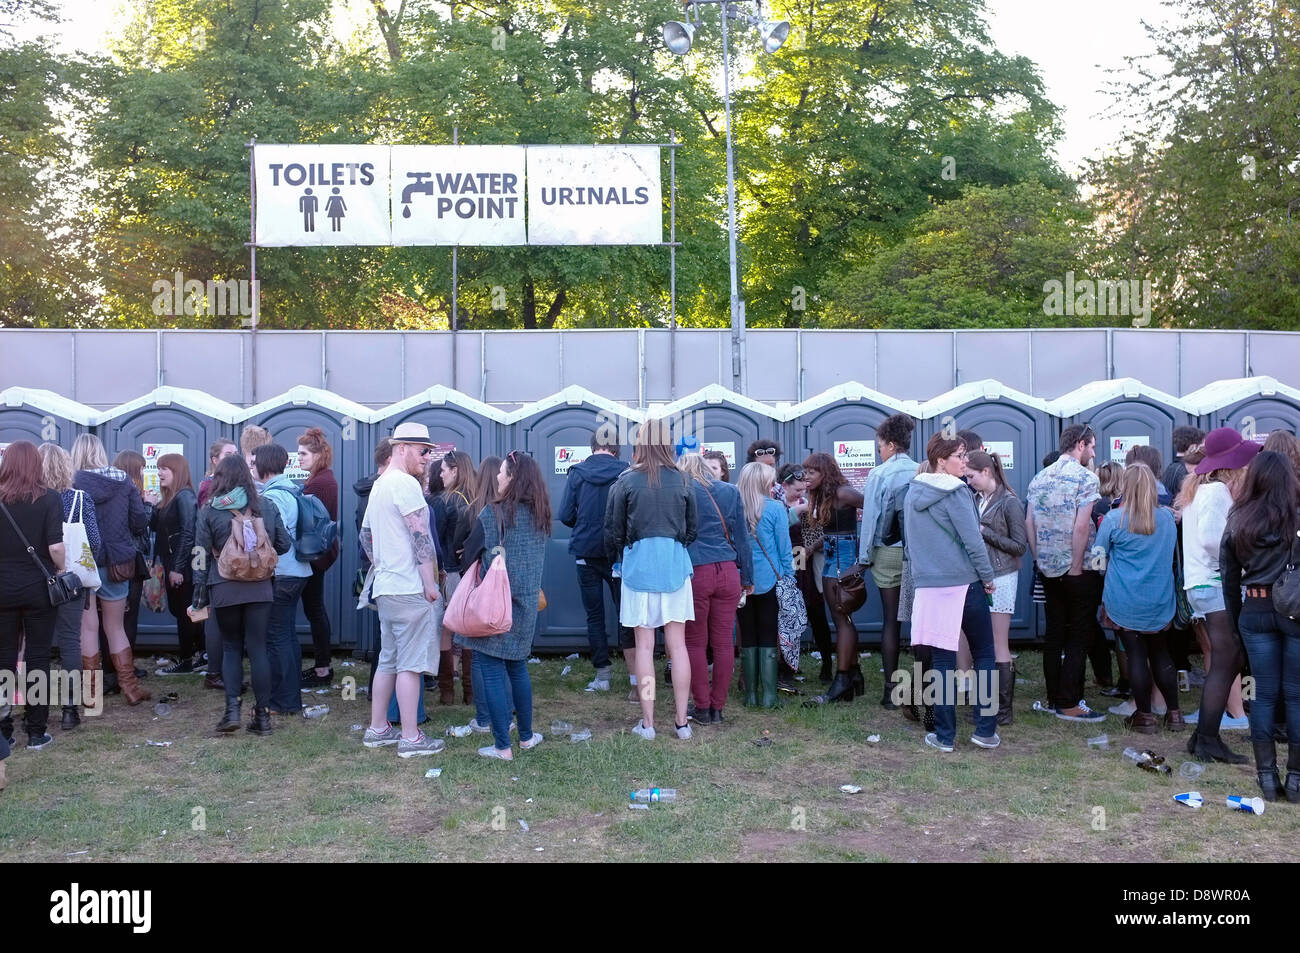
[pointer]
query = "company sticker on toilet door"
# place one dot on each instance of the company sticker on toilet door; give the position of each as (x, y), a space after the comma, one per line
(1006, 451)
(566, 457)
(151, 452)
(1120, 446)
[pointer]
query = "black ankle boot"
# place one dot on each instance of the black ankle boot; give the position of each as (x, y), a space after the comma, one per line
(1212, 748)
(261, 723)
(230, 721)
(859, 681)
(841, 690)
(1270, 785)
(71, 718)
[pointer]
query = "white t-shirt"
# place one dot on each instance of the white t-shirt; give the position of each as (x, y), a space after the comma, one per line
(1203, 523)
(394, 496)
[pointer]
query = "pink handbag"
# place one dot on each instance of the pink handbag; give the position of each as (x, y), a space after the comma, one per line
(479, 609)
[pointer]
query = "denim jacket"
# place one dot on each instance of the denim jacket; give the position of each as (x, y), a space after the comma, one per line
(711, 544)
(881, 484)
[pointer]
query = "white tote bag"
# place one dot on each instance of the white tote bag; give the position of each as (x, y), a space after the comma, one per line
(80, 557)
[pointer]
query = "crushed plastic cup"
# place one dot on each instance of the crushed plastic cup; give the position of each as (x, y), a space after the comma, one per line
(162, 709)
(1190, 798)
(850, 789)
(358, 728)
(316, 711)
(524, 824)
(570, 658)
(584, 735)
(566, 670)
(1251, 805)
(560, 727)
(1101, 742)
(873, 739)
(534, 661)
(459, 731)
(433, 773)
(1191, 770)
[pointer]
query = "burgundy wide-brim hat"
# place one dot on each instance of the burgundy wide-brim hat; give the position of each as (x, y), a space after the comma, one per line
(1226, 449)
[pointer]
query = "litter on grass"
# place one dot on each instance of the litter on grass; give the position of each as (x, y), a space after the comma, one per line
(566, 670)
(433, 773)
(524, 824)
(873, 739)
(570, 658)
(157, 744)
(850, 789)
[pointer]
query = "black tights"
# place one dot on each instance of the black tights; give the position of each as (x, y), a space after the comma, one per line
(889, 632)
(1148, 657)
(815, 603)
(243, 628)
(846, 633)
(1226, 656)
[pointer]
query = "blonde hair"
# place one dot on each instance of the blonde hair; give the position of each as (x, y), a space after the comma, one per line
(755, 485)
(88, 453)
(56, 467)
(1232, 479)
(252, 437)
(1140, 494)
(692, 464)
(652, 449)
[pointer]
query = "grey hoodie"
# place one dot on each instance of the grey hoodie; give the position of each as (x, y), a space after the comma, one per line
(942, 534)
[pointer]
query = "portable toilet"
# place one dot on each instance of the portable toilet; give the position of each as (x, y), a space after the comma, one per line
(557, 432)
(1016, 426)
(42, 416)
(842, 421)
(1256, 406)
(720, 419)
(455, 421)
(166, 420)
(348, 428)
(1124, 413)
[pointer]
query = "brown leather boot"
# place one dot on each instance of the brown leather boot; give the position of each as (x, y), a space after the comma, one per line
(124, 664)
(93, 681)
(1143, 723)
(466, 685)
(446, 678)
(1174, 720)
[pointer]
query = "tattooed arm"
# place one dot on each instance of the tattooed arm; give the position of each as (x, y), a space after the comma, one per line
(417, 524)
(368, 543)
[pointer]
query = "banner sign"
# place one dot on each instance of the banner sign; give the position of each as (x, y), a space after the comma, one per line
(594, 195)
(1120, 446)
(322, 195)
(855, 458)
(458, 195)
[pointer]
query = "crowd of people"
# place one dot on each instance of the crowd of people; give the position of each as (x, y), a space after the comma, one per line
(1128, 558)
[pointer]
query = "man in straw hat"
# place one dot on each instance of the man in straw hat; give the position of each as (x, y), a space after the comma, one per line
(403, 581)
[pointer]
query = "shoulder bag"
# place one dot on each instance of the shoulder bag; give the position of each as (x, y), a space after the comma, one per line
(1286, 591)
(65, 587)
(76, 543)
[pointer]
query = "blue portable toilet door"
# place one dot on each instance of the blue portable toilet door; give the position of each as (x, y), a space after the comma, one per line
(352, 460)
(21, 423)
(1123, 424)
(555, 440)
(1259, 416)
(824, 433)
(448, 424)
(729, 429)
(1026, 435)
(154, 431)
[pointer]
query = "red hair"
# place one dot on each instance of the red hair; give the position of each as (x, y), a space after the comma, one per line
(314, 440)
(20, 474)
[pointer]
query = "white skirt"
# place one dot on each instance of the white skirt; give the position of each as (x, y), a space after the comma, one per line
(1004, 595)
(652, 609)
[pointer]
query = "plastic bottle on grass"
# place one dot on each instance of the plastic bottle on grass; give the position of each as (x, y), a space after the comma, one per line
(650, 795)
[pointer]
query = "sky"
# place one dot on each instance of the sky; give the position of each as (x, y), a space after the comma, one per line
(1074, 43)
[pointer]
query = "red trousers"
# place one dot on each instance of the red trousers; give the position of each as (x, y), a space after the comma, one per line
(716, 587)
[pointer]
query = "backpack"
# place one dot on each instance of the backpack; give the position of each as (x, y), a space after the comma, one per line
(240, 563)
(316, 533)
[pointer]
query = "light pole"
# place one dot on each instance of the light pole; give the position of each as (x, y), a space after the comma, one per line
(678, 37)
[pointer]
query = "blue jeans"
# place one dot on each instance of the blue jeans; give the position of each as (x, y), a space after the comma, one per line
(502, 679)
(977, 625)
(592, 579)
(1273, 647)
(283, 649)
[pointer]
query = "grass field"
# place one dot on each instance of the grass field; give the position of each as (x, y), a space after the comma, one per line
(312, 792)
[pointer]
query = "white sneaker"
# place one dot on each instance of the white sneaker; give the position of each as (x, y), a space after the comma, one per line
(532, 742)
(475, 727)
(992, 742)
(491, 751)
(598, 685)
(1124, 709)
(933, 741)
(684, 732)
(640, 729)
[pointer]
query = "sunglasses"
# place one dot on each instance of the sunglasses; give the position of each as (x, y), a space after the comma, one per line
(765, 452)
(425, 451)
(793, 475)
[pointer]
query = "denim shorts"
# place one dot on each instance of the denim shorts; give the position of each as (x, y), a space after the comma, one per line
(1205, 599)
(110, 591)
(841, 554)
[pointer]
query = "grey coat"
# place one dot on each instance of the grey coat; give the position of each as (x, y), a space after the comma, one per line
(942, 534)
(525, 550)
(1002, 524)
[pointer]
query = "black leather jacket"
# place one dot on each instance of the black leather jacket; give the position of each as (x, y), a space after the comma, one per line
(1260, 563)
(636, 510)
(173, 526)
